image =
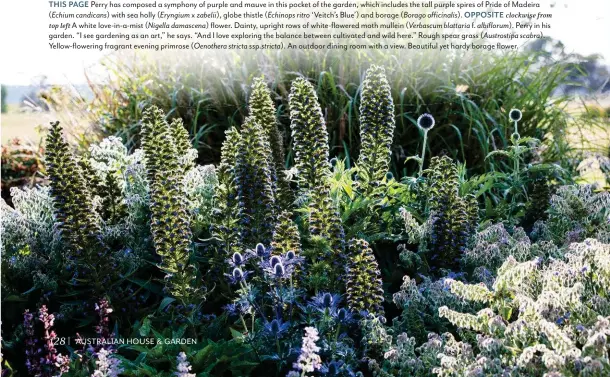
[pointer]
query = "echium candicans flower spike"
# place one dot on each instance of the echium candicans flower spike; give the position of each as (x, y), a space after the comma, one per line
(170, 222)
(74, 211)
(262, 109)
(225, 227)
(454, 219)
(311, 160)
(310, 137)
(364, 286)
(182, 142)
(286, 236)
(256, 201)
(376, 126)
(181, 136)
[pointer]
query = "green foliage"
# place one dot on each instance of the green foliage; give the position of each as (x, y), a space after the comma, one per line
(200, 185)
(74, 213)
(376, 127)
(453, 218)
(310, 138)
(262, 110)
(286, 236)
(169, 220)
(576, 213)
(468, 93)
(21, 165)
(3, 105)
(255, 187)
(540, 319)
(363, 283)
(313, 169)
(225, 227)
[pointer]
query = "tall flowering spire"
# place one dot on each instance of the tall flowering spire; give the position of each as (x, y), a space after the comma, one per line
(309, 360)
(310, 137)
(454, 219)
(255, 196)
(262, 110)
(74, 211)
(170, 223)
(286, 236)
(376, 127)
(226, 224)
(311, 161)
(364, 285)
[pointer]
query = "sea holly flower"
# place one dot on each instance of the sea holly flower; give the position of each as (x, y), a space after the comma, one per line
(277, 328)
(237, 275)
(325, 302)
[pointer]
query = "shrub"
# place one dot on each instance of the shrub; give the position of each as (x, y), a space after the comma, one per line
(21, 165)
(539, 319)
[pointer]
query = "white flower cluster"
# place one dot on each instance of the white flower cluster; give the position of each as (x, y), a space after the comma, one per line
(309, 360)
(31, 221)
(577, 212)
(106, 365)
(550, 320)
(199, 185)
(494, 244)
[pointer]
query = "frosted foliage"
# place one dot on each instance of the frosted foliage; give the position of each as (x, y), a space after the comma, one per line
(542, 319)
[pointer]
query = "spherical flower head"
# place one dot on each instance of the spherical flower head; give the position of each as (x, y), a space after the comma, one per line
(238, 259)
(279, 270)
(290, 255)
(515, 115)
(327, 300)
(343, 316)
(425, 122)
(275, 260)
(260, 250)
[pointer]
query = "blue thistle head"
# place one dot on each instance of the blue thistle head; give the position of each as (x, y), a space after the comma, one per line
(426, 122)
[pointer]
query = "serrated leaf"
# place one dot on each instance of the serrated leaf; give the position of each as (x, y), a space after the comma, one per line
(145, 328)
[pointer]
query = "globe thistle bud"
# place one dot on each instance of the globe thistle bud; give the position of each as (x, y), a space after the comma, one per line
(426, 122)
(515, 115)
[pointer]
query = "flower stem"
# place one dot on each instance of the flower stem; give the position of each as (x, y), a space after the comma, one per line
(423, 153)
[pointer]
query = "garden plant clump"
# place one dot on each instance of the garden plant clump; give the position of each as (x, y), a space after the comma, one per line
(143, 262)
